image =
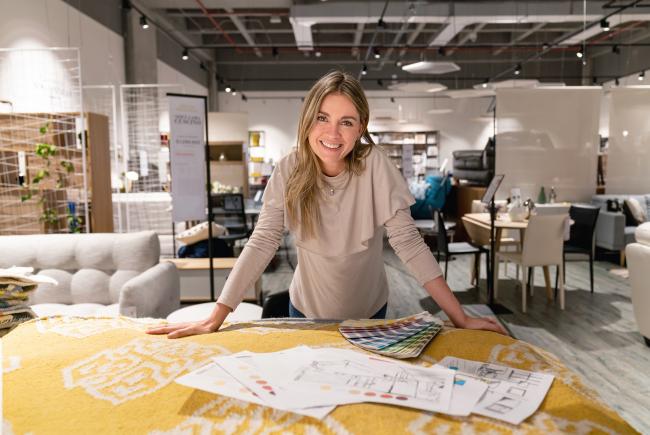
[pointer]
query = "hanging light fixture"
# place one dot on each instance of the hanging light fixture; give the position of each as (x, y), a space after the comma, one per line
(641, 76)
(580, 53)
(185, 55)
(376, 53)
(604, 25)
(364, 70)
(143, 22)
(518, 69)
(228, 89)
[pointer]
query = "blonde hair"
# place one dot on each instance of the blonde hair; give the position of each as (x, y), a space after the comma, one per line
(302, 191)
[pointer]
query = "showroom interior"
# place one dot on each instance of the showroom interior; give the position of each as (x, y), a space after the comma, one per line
(545, 101)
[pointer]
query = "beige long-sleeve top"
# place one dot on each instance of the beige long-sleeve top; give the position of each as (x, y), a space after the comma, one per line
(340, 273)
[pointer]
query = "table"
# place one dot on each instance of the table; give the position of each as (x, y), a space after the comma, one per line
(482, 220)
(194, 276)
(105, 375)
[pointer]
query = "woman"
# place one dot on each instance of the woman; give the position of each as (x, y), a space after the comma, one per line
(336, 193)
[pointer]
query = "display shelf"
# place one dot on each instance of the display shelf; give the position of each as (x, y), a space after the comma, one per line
(408, 149)
(259, 169)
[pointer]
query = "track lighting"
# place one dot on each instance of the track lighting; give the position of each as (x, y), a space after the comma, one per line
(518, 69)
(275, 53)
(399, 64)
(243, 97)
(185, 55)
(641, 76)
(546, 46)
(594, 80)
(604, 25)
(234, 92)
(616, 49)
(364, 70)
(442, 52)
(143, 22)
(485, 83)
(317, 53)
(617, 82)
(376, 53)
(580, 53)
(228, 89)
(202, 66)
(380, 83)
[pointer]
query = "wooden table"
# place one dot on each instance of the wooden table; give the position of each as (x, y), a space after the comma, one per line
(195, 278)
(482, 220)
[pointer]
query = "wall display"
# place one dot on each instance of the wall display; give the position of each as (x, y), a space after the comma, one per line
(414, 153)
(187, 132)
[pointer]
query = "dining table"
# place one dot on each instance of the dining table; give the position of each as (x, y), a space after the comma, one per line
(479, 224)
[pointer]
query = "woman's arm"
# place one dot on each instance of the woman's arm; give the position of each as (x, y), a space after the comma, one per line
(416, 255)
(256, 255)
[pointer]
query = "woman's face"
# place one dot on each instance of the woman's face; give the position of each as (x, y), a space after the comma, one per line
(336, 129)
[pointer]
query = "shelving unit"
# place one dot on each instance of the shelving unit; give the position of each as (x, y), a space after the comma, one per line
(259, 170)
(227, 140)
(414, 153)
(41, 173)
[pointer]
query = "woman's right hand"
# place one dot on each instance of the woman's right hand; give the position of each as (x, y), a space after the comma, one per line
(179, 330)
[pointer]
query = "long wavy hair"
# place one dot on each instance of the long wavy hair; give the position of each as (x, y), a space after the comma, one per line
(303, 189)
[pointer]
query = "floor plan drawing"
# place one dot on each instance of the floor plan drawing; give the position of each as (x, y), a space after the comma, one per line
(513, 394)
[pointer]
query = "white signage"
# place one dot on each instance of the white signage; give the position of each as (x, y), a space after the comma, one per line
(187, 147)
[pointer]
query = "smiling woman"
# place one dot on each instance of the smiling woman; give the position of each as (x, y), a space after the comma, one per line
(337, 193)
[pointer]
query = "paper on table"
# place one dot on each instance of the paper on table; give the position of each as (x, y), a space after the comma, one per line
(513, 394)
(465, 395)
(213, 379)
(378, 379)
(269, 375)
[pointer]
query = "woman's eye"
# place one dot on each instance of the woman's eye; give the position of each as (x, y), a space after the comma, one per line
(321, 118)
(347, 123)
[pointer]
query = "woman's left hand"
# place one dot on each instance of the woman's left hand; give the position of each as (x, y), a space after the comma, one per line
(484, 323)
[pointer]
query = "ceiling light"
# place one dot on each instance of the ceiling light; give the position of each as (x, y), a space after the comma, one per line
(185, 55)
(243, 97)
(380, 82)
(580, 53)
(364, 70)
(442, 51)
(275, 19)
(604, 24)
(399, 64)
(428, 67)
(616, 49)
(317, 53)
(376, 53)
(594, 80)
(143, 22)
(641, 75)
(545, 46)
(617, 82)
(234, 92)
(485, 83)
(228, 89)
(275, 53)
(518, 69)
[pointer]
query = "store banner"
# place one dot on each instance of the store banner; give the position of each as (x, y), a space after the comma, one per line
(187, 153)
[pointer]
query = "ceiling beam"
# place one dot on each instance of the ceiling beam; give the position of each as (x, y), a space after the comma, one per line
(358, 34)
(473, 34)
(521, 37)
(412, 37)
(244, 32)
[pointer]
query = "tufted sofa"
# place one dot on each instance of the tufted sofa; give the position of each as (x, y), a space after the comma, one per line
(97, 274)
(638, 261)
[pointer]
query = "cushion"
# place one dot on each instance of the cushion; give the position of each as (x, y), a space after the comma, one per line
(50, 293)
(136, 251)
(200, 232)
(637, 211)
(90, 286)
(642, 233)
(117, 281)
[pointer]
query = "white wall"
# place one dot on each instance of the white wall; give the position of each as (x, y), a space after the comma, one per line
(548, 137)
(629, 141)
(168, 75)
(53, 23)
(277, 114)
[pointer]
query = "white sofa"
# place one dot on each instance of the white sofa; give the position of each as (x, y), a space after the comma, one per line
(638, 262)
(97, 274)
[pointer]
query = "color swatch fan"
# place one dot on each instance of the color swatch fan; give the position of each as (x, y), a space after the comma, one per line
(399, 338)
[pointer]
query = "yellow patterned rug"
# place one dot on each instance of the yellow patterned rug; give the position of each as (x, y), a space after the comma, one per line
(105, 375)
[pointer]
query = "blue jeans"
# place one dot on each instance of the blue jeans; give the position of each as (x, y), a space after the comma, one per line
(295, 313)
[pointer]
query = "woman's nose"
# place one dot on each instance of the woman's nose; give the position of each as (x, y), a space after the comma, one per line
(334, 129)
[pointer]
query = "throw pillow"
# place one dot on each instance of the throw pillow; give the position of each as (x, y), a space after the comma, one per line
(200, 232)
(637, 211)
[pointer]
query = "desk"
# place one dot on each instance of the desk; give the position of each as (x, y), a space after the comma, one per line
(482, 220)
(194, 276)
(76, 375)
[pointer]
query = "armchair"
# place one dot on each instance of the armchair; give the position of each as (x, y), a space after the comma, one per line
(97, 274)
(638, 259)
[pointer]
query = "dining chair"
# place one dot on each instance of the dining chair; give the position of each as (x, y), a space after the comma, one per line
(542, 246)
(581, 239)
(455, 248)
(228, 210)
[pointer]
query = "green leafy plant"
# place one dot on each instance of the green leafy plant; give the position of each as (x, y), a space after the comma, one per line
(47, 151)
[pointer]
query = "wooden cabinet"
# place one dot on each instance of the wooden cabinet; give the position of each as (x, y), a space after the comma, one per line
(42, 173)
(227, 140)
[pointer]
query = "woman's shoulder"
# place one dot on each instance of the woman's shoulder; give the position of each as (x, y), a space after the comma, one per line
(286, 164)
(377, 159)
